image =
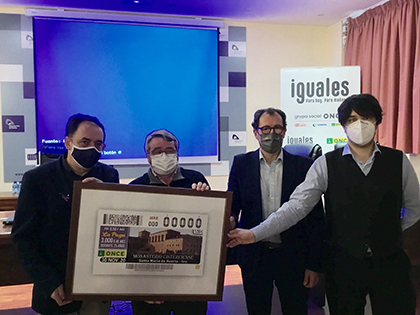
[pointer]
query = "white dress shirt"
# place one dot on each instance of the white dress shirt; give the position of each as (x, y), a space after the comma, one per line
(271, 178)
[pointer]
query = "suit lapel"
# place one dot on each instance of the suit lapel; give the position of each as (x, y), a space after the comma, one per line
(287, 174)
(255, 177)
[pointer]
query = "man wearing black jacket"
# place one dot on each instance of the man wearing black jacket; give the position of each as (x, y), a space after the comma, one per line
(41, 227)
(261, 181)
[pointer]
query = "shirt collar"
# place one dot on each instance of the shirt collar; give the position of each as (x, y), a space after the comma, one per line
(153, 177)
(65, 164)
(347, 151)
(68, 169)
(279, 158)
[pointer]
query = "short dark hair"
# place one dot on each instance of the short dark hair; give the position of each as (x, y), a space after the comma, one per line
(270, 111)
(365, 105)
(75, 120)
(161, 133)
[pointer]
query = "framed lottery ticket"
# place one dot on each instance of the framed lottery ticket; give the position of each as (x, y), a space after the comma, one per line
(147, 242)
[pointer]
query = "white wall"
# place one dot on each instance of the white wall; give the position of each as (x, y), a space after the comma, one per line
(269, 48)
(12, 10)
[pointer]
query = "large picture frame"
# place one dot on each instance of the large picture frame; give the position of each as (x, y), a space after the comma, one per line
(131, 242)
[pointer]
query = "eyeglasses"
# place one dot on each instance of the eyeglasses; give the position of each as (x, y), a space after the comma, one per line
(158, 151)
(265, 130)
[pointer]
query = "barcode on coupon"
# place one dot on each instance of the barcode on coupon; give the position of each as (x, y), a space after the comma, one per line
(122, 219)
(148, 267)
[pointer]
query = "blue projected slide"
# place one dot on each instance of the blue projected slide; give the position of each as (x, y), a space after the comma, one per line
(134, 78)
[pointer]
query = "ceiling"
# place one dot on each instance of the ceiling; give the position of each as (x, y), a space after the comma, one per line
(295, 12)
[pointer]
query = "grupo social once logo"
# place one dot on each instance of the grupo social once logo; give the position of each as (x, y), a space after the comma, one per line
(330, 115)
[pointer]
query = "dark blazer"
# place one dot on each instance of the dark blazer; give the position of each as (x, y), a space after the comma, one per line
(305, 239)
(41, 227)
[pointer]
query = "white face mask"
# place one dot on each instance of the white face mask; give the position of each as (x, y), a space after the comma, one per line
(361, 132)
(164, 164)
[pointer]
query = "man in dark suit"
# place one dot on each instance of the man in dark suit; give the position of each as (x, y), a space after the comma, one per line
(261, 181)
(42, 222)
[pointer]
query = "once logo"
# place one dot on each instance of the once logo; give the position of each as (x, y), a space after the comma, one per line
(112, 253)
(336, 140)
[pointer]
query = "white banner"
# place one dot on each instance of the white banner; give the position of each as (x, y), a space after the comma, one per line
(310, 98)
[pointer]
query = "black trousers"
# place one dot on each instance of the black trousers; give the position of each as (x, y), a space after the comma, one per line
(178, 308)
(277, 267)
(387, 281)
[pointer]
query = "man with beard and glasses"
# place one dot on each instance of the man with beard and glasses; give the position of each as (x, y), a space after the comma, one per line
(261, 181)
(41, 226)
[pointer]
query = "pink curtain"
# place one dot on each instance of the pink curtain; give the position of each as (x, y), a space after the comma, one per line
(385, 43)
